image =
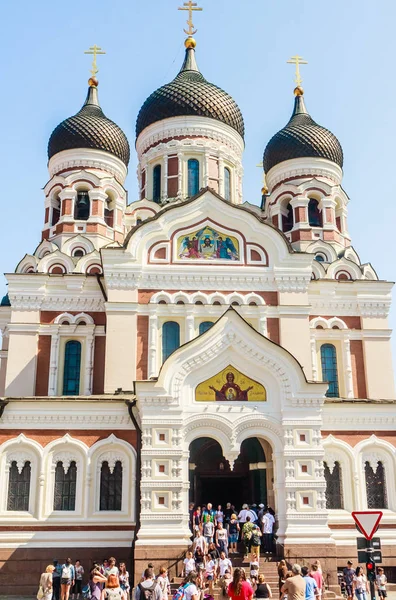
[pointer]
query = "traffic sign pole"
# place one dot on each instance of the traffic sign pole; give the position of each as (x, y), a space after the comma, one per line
(370, 568)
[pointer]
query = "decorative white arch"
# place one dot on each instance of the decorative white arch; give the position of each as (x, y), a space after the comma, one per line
(373, 450)
(78, 241)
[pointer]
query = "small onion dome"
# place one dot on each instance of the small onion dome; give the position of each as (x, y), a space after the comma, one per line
(302, 138)
(189, 94)
(5, 301)
(90, 128)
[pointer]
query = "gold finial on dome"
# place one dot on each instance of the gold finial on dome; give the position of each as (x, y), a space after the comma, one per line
(94, 50)
(298, 60)
(191, 7)
(264, 189)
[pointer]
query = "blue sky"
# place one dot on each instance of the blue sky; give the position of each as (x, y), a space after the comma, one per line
(243, 46)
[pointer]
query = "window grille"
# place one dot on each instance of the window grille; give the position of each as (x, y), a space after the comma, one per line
(376, 486)
(72, 368)
(328, 357)
(334, 496)
(170, 338)
(65, 487)
(193, 176)
(19, 487)
(111, 487)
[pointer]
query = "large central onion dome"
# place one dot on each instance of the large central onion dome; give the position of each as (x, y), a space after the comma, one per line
(190, 94)
(302, 138)
(90, 128)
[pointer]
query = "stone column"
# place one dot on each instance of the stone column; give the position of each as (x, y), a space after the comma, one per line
(347, 367)
(153, 343)
(190, 327)
(54, 362)
(181, 192)
(314, 358)
(205, 179)
(164, 194)
(89, 352)
(221, 178)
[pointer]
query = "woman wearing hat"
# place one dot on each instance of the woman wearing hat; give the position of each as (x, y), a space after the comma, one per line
(233, 531)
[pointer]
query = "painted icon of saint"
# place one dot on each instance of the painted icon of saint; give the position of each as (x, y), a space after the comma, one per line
(231, 392)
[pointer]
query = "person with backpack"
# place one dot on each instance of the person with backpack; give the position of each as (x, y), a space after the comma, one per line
(113, 591)
(255, 541)
(68, 577)
(189, 589)
(148, 589)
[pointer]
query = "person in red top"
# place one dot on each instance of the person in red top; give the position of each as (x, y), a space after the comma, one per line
(239, 588)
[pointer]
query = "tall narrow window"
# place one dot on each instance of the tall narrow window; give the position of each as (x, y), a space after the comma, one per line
(288, 219)
(65, 487)
(55, 211)
(111, 486)
(170, 338)
(193, 177)
(109, 212)
(82, 206)
(204, 326)
(157, 183)
(334, 499)
(314, 214)
(375, 486)
(19, 487)
(328, 357)
(227, 183)
(72, 368)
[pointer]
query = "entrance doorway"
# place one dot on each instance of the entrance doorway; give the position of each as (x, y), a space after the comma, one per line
(211, 479)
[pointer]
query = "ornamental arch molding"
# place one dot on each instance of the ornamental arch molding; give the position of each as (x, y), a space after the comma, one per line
(213, 427)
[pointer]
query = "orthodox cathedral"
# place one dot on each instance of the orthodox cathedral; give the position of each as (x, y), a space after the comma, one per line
(191, 346)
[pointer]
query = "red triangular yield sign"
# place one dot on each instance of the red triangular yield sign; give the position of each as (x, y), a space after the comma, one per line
(367, 521)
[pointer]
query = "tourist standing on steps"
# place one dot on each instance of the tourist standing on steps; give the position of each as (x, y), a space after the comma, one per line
(295, 585)
(282, 572)
(255, 541)
(46, 583)
(221, 538)
(239, 588)
(227, 513)
(190, 587)
(254, 566)
(77, 588)
(197, 516)
(311, 589)
(200, 542)
(224, 565)
(242, 514)
(208, 514)
(124, 579)
(317, 574)
(163, 582)
(148, 589)
(233, 533)
(247, 535)
(56, 580)
(268, 522)
(360, 584)
(208, 531)
(67, 579)
(348, 575)
(96, 582)
(262, 590)
(381, 582)
(199, 558)
(210, 573)
(188, 564)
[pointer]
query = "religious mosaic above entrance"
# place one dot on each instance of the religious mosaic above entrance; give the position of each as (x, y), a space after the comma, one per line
(207, 244)
(230, 386)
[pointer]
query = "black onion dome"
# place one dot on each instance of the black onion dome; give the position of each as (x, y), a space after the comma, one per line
(90, 128)
(301, 138)
(189, 94)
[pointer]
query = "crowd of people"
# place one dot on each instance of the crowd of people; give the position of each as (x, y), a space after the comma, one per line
(253, 525)
(106, 581)
(354, 582)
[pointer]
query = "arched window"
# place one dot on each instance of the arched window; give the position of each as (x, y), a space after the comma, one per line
(320, 257)
(157, 183)
(170, 338)
(19, 487)
(288, 219)
(55, 211)
(82, 206)
(334, 498)
(110, 486)
(204, 326)
(314, 214)
(193, 176)
(328, 357)
(72, 368)
(65, 487)
(375, 486)
(227, 183)
(109, 212)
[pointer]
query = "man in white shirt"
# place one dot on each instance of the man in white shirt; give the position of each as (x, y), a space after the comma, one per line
(243, 513)
(268, 527)
(251, 513)
(224, 564)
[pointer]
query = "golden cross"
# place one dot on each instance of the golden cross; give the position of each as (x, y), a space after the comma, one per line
(261, 165)
(95, 50)
(297, 60)
(190, 6)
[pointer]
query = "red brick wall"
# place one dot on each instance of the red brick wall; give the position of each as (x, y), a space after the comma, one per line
(99, 365)
(142, 347)
(358, 369)
(43, 365)
(49, 316)
(350, 322)
(354, 437)
(273, 330)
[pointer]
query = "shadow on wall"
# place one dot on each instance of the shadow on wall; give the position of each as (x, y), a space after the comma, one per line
(20, 569)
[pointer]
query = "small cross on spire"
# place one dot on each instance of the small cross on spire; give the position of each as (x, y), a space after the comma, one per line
(190, 6)
(94, 50)
(297, 60)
